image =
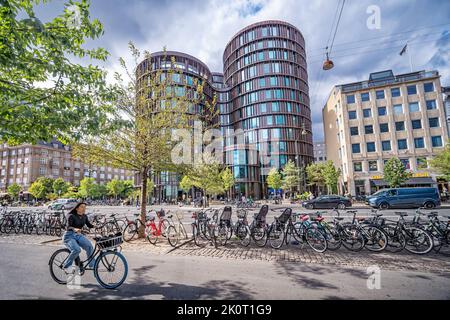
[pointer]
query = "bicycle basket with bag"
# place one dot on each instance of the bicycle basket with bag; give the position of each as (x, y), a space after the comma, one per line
(109, 242)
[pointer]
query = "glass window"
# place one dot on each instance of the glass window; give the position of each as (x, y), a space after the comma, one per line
(398, 108)
(352, 115)
(275, 107)
(384, 127)
(365, 96)
(356, 148)
(414, 107)
(367, 113)
(268, 94)
(279, 119)
(272, 54)
(357, 166)
(354, 131)
(273, 81)
(433, 122)
(262, 82)
(380, 94)
(428, 87)
(276, 133)
(382, 111)
(418, 143)
(386, 145)
(405, 163)
(368, 129)
(400, 126)
(373, 165)
(370, 146)
(395, 92)
(431, 104)
(351, 98)
(416, 124)
(402, 144)
(412, 89)
(269, 120)
(266, 68)
(436, 141)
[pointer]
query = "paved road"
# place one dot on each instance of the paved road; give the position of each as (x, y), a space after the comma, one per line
(24, 275)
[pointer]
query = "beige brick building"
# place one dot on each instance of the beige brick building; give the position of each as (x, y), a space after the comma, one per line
(23, 164)
(368, 122)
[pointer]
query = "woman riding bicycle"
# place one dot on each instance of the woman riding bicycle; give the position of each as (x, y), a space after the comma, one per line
(73, 239)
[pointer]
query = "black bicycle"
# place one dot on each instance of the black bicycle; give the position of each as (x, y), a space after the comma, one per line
(110, 268)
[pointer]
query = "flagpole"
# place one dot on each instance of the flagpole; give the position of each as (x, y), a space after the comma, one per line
(409, 56)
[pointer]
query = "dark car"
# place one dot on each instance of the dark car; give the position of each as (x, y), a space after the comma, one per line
(327, 202)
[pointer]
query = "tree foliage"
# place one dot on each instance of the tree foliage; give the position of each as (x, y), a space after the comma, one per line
(43, 92)
(441, 162)
(395, 173)
(274, 179)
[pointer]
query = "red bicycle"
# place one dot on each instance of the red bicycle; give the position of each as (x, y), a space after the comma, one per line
(153, 231)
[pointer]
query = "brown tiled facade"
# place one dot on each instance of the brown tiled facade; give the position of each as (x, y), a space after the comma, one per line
(23, 164)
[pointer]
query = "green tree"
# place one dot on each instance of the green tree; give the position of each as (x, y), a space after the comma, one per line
(99, 191)
(207, 176)
(186, 184)
(43, 92)
(13, 190)
(60, 186)
(330, 176)
(72, 193)
(115, 188)
(228, 180)
(128, 187)
(274, 179)
(37, 189)
(395, 173)
(441, 162)
(148, 111)
(314, 174)
(291, 176)
(87, 188)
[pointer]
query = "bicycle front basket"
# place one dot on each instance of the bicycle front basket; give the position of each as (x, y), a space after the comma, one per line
(110, 242)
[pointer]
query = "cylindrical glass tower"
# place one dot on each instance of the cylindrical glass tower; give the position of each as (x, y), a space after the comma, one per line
(266, 75)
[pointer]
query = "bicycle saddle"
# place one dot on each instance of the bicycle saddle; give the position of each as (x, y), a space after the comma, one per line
(432, 214)
(339, 218)
(170, 217)
(318, 219)
(352, 211)
(360, 219)
(113, 215)
(401, 213)
(136, 214)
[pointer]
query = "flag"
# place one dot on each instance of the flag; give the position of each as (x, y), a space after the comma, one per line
(404, 49)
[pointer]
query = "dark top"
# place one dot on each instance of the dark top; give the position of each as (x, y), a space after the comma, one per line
(77, 221)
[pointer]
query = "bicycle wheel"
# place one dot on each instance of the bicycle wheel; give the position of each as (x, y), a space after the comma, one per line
(376, 239)
(332, 235)
(172, 236)
(316, 239)
(259, 235)
(151, 234)
(243, 234)
(130, 232)
(222, 233)
(276, 235)
(56, 264)
(352, 237)
(199, 240)
(111, 269)
(418, 241)
(165, 224)
(396, 239)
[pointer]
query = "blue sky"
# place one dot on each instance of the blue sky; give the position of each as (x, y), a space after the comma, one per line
(203, 28)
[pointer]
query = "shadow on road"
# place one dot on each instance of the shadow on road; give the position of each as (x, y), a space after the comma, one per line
(144, 285)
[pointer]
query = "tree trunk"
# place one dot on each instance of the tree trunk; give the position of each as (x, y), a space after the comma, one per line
(143, 201)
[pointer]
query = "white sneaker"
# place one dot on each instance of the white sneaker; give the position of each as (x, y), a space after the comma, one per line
(69, 270)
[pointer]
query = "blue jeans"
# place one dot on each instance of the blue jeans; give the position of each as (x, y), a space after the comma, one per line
(74, 242)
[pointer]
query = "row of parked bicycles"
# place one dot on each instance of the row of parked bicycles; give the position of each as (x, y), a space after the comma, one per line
(420, 233)
(23, 221)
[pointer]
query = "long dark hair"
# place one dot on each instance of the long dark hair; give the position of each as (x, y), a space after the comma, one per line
(74, 210)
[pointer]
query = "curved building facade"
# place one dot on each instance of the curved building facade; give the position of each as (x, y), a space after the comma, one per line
(167, 183)
(263, 99)
(266, 75)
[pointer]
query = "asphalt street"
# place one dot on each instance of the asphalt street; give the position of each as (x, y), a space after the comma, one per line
(24, 274)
